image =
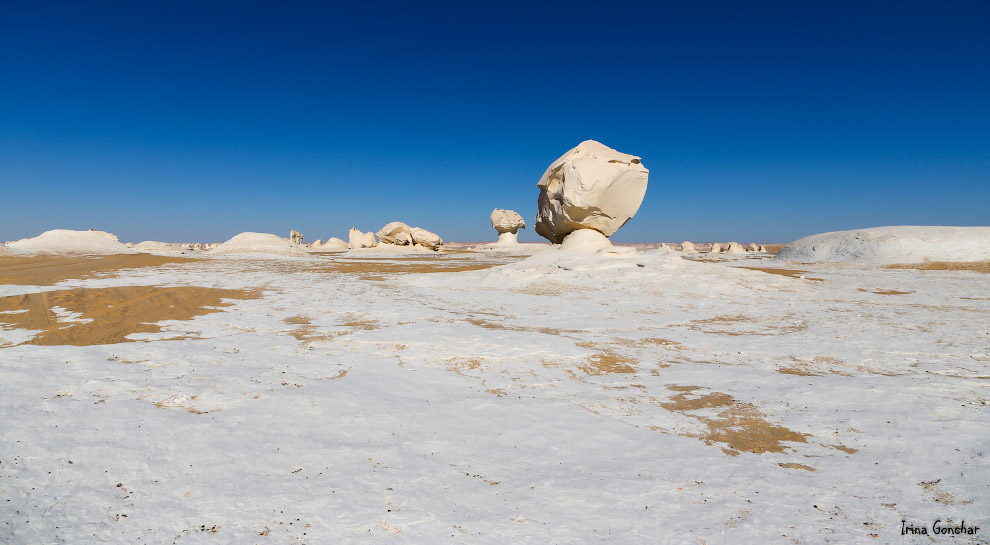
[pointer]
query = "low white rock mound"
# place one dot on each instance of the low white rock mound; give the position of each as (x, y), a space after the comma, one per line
(66, 241)
(316, 244)
(752, 247)
(592, 186)
(425, 238)
(261, 244)
(388, 234)
(585, 240)
(892, 244)
(688, 247)
(716, 248)
(357, 239)
(735, 248)
(334, 243)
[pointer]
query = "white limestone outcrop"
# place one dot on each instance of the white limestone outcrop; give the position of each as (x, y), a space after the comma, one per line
(592, 186)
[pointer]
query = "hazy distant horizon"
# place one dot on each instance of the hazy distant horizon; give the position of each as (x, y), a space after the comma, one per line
(192, 122)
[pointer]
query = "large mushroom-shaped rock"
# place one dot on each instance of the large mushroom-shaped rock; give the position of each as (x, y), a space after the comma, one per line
(358, 239)
(295, 237)
(590, 187)
(507, 222)
(425, 238)
(388, 234)
(688, 247)
(735, 248)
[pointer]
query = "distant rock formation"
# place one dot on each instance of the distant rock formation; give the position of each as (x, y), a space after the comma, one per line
(507, 223)
(260, 244)
(334, 243)
(892, 244)
(752, 247)
(688, 247)
(735, 248)
(66, 241)
(296, 237)
(716, 248)
(425, 238)
(592, 186)
(357, 239)
(388, 234)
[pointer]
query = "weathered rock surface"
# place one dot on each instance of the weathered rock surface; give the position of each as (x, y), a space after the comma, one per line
(403, 239)
(425, 238)
(590, 187)
(296, 237)
(388, 234)
(585, 240)
(358, 239)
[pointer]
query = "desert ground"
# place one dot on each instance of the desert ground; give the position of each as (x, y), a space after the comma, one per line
(479, 396)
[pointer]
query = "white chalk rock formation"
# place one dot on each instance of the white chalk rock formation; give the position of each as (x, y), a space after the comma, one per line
(688, 247)
(507, 223)
(388, 234)
(260, 244)
(403, 239)
(590, 187)
(752, 247)
(296, 237)
(735, 248)
(892, 244)
(358, 239)
(316, 244)
(425, 238)
(761, 249)
(716, 248)
(585, 240)
(65, 241)
(334, 243)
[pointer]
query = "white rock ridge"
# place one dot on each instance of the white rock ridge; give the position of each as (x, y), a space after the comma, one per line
(892, 244)
(261, 244)
(66, 241)
(507, 223)
(590, 187)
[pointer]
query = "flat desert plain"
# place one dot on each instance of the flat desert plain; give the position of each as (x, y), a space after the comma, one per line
(491, 397)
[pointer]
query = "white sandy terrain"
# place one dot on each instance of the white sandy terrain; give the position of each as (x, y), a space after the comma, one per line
(892, 244)
(260, 244)
(66, 241)
(571, 397)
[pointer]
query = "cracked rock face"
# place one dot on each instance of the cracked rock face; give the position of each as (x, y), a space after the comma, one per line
(590, 187)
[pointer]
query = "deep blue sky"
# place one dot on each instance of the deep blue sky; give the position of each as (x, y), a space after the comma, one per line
(758, 121)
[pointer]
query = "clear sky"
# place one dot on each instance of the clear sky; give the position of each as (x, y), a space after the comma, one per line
(759, 121)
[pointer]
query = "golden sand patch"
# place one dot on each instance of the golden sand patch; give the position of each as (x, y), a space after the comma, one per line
(801, 371)
(885, 292)
(49, 269)
(791, 273)
(741, 426)
(108, 315)
(460, 365)
(488, 324)
(797, 466)
(604, 363)
(974, 266)
(726, 324)
(941, 496)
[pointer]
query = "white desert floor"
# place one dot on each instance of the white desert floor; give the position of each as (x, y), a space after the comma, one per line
(635, 398)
